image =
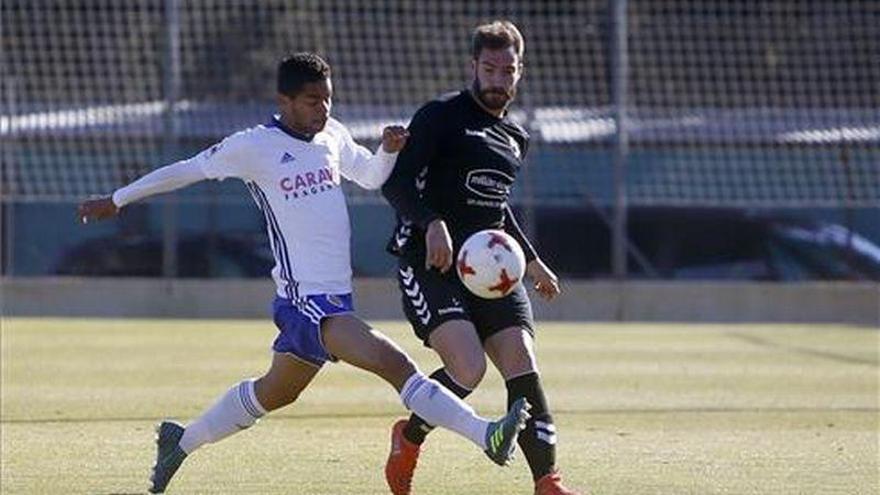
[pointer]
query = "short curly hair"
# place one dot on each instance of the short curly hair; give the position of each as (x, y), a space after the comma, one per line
(298, 69)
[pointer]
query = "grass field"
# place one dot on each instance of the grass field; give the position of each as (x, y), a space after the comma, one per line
(641, 409)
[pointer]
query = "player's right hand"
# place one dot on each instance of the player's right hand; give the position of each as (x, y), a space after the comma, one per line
(439, 246)
(546, 282)
(394, 138)
(96, 209)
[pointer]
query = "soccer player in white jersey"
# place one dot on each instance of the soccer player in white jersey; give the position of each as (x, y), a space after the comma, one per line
(292, 167)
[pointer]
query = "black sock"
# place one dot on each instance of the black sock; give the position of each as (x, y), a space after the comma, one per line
(417, 429)
(538, 440)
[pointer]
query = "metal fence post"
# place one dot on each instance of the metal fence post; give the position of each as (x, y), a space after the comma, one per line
(171, 93)
(620, 81)
(7, 204)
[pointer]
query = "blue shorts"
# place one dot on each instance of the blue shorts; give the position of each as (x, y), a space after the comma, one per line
(299, 324)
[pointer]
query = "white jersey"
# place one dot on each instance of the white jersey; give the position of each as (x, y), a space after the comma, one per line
(296, 184)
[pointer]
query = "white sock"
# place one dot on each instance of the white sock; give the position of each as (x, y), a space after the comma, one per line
(438, 406)
(237, 410)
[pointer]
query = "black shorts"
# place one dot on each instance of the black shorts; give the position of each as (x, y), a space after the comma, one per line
(431, 298)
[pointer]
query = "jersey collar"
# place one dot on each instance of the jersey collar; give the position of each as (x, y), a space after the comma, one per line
(276, 122)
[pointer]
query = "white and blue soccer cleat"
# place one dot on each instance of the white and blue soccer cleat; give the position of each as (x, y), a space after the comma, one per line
(169, 455)
(502, 434)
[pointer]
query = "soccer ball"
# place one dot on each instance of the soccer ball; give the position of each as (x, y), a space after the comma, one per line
(490, 264)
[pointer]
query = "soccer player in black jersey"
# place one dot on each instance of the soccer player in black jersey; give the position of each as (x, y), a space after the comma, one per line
(453, 179)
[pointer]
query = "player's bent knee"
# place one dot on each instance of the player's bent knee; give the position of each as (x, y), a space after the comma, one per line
(460, 349)
(467, 372)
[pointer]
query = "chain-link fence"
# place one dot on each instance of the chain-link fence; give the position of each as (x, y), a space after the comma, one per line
(727, 103)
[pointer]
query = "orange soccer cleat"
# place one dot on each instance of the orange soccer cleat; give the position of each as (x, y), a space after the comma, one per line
(401, 461)
(551, 484)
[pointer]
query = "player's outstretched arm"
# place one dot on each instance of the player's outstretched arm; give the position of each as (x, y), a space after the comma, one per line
(165, 179)
(370, 170)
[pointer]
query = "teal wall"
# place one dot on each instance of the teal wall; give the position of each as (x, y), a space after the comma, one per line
(573, 177)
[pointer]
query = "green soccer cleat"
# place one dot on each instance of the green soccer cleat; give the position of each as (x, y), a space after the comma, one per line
(501, 435)
(169, 455)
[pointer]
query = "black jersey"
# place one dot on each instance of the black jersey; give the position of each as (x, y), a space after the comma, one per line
(459, 164)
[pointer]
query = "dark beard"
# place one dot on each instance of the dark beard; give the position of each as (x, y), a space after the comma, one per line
(493, 99)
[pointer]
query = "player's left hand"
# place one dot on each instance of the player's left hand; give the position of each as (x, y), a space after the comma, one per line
(98, 208)
(394, 138)
(546, 282)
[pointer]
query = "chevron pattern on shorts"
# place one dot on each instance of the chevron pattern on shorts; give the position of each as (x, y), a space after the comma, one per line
(422, 180)
(402, 235)
(414, 293)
